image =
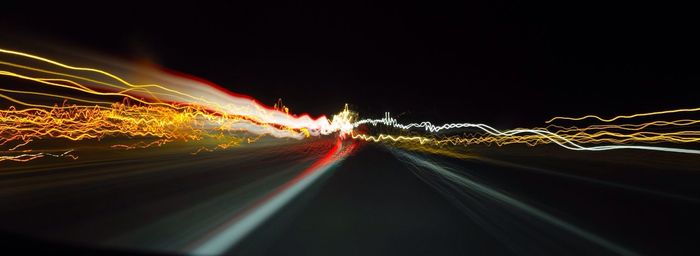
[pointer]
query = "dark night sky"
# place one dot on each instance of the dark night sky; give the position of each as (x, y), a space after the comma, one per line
(506, 63)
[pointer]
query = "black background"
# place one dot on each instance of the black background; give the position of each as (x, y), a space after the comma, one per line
(505, 63)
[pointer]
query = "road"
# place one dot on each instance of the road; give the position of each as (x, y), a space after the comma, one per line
(618, 202)
(375, 201)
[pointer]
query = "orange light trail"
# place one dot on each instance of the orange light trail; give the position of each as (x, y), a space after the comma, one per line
(79, 103)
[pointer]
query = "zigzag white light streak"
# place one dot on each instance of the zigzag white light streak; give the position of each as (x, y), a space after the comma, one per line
(553, 137)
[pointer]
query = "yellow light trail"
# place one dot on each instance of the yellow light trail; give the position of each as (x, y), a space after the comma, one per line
(683, 110)
(102, 104)
(604, 137)
(107, 105)
(180, 88)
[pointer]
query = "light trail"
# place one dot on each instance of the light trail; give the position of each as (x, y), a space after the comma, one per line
(69, 103)
(175, 88)
(683, 110)
(533, 136)
(103, 104)
(178, 107)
